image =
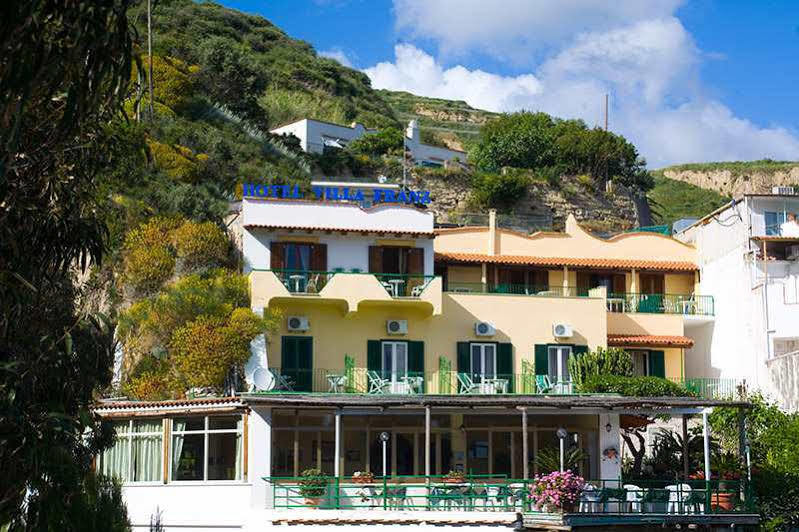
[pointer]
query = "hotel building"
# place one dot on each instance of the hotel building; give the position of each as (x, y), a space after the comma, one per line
(410, 352)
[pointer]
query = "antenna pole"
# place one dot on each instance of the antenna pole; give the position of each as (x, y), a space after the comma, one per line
(404, 136)
(606, 111)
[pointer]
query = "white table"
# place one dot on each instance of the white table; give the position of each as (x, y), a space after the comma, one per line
(395, 285)
(616, 304)
(296, 278)
(336, 383)
(415, 383)
(499, 385)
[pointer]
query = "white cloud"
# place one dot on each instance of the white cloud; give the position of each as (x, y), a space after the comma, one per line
(516, 28)
(337, 54)
(649, 67)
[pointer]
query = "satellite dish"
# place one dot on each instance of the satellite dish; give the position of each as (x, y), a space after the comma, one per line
(263, 379)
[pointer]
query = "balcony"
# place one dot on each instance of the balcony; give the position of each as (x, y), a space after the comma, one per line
(348, 290)
(684, 304)
(488, 497)
(515, 289)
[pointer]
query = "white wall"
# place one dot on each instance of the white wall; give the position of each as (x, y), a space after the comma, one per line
(313, 132)
(298, 129)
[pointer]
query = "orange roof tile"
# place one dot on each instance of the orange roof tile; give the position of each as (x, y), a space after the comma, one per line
(648, 340)
(638, 264)
(168, 403)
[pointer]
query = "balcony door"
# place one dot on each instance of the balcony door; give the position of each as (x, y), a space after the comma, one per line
(296, 362)
(557, 363)
(300, 265)
(484, 361)
(395, 361)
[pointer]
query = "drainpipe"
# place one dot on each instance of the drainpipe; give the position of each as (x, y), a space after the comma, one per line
(492, 231)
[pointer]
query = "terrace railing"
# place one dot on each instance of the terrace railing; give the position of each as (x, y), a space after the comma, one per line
(715, 388)
(514, 289)
(484, 493)
(312, 281)
(363, 381)
(686, 304)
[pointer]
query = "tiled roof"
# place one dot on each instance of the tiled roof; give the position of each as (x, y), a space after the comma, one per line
(426, 234)
(648, 340)
(176, 403)
(626, 264)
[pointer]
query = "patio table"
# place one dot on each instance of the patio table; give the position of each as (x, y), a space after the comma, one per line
(450, 492)
(296, 278)
(499, 385)
(336, 383)
(414, 384)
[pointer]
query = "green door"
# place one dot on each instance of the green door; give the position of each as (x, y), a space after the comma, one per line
(296, 361)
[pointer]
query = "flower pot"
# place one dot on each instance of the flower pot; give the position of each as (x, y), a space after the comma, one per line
(363, 480)
(313, 502)
(723, 501)
(454, 480)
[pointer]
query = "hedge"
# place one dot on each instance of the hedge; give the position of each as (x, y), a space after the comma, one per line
(633, 386)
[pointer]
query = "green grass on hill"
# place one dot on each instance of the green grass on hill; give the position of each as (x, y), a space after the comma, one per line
(735, 167)
(672, 200)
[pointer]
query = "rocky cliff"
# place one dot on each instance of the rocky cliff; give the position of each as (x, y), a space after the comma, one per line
(736, 178)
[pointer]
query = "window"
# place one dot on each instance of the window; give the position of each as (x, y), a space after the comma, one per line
(484, 361)
(395, 360)
(136, 454)
(783, 346)
(558, 369)
(298, 256)
(640, 363)
(206, 448)
(773, 222)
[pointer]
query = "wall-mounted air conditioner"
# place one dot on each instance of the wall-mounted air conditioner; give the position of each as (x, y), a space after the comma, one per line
(397, 326)
(297, 323)
(562, 330)
(483, 328)
(784, 191)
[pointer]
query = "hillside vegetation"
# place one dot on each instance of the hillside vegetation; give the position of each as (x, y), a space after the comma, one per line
(735, 167)
(672, 200)
(737, 177)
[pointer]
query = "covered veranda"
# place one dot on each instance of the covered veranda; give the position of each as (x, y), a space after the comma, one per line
(480, 440)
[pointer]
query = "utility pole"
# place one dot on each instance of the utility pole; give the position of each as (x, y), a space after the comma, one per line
(150, 53)
(606, 111)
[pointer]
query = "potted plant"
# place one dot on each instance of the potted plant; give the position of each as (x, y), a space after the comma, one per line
(656, 500)
(454, 477)
(557, 492)
(313, 484)
(363, 477)
(612, 499)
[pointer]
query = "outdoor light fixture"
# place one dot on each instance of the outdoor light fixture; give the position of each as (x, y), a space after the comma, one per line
(384, 436)
(562, 434)
(608, 427)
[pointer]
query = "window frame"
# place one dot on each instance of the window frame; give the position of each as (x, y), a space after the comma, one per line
(128, 438)
(393, 376)
(560, 365)
(206, 432)
(482, 346)
(645, 354)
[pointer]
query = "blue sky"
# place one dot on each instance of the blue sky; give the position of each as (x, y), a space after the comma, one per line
(690, 80)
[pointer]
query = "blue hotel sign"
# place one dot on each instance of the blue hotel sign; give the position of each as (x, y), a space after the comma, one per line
(377, 195)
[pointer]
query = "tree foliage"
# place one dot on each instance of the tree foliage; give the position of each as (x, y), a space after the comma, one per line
(498, 190)
(602, 361)
(64, 70)
(633, 386)
(388, 141)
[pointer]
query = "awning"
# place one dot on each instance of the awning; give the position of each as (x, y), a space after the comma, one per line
(648, 340)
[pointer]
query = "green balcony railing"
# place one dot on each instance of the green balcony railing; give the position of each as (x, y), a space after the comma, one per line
(497, 493)
(715, 388)
(312, 282)
(686, 304)
(513, 289)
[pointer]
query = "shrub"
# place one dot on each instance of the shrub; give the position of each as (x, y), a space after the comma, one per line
(174, 82)
(496, 190)
(176, 161)
(385, 142)
(148, 260)
(557, 492)
(200, 245)
(548, 459)
(602, 361)
(313, 483)
(633, 386)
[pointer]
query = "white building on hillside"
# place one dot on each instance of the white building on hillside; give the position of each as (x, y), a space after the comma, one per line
(316, 136)
(749, 262)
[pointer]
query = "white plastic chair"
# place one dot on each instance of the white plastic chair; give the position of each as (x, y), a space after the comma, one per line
(634, 496)
(377, 384)
(590, 499)
(679, 494)
(467, 385)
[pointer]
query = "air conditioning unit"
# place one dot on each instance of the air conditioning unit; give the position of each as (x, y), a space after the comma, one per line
(397, 326)
(562, 330)
(784, 191)
(483, 328)
(298, 323)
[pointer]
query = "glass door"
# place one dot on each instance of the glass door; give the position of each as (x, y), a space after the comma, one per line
(395, 365)
(558, 367)
(484, 362)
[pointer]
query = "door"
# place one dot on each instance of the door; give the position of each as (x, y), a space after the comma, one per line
(558, 365)
(296, 361)
(484, 361)
(395, 361)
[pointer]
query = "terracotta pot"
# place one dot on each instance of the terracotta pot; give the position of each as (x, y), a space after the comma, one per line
(722, 500)
(454, 480)
(313, 502)
(363, 480)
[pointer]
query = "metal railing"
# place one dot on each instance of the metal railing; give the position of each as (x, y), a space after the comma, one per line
(485, 493)
(514, 289)
(686, 304)
(714, 388)
(312, 281)
(363, 381)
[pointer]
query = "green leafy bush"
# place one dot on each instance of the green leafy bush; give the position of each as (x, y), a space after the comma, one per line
(602, 361)
(384, 142)
(499, 191)
(200, 245)
(633, 386)
(548, 459)
(149, 261)
(313, 483)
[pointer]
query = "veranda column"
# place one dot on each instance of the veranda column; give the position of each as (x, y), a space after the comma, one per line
(427, 442)
(685, 468)
(525, 461)
(706, 435)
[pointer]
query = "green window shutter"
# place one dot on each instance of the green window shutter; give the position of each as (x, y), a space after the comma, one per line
(657, 364)
(505, 363)
(541, 359)
(374, 362)
(304, 364)
(416, 361)
(579, 349)
(464, 358)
